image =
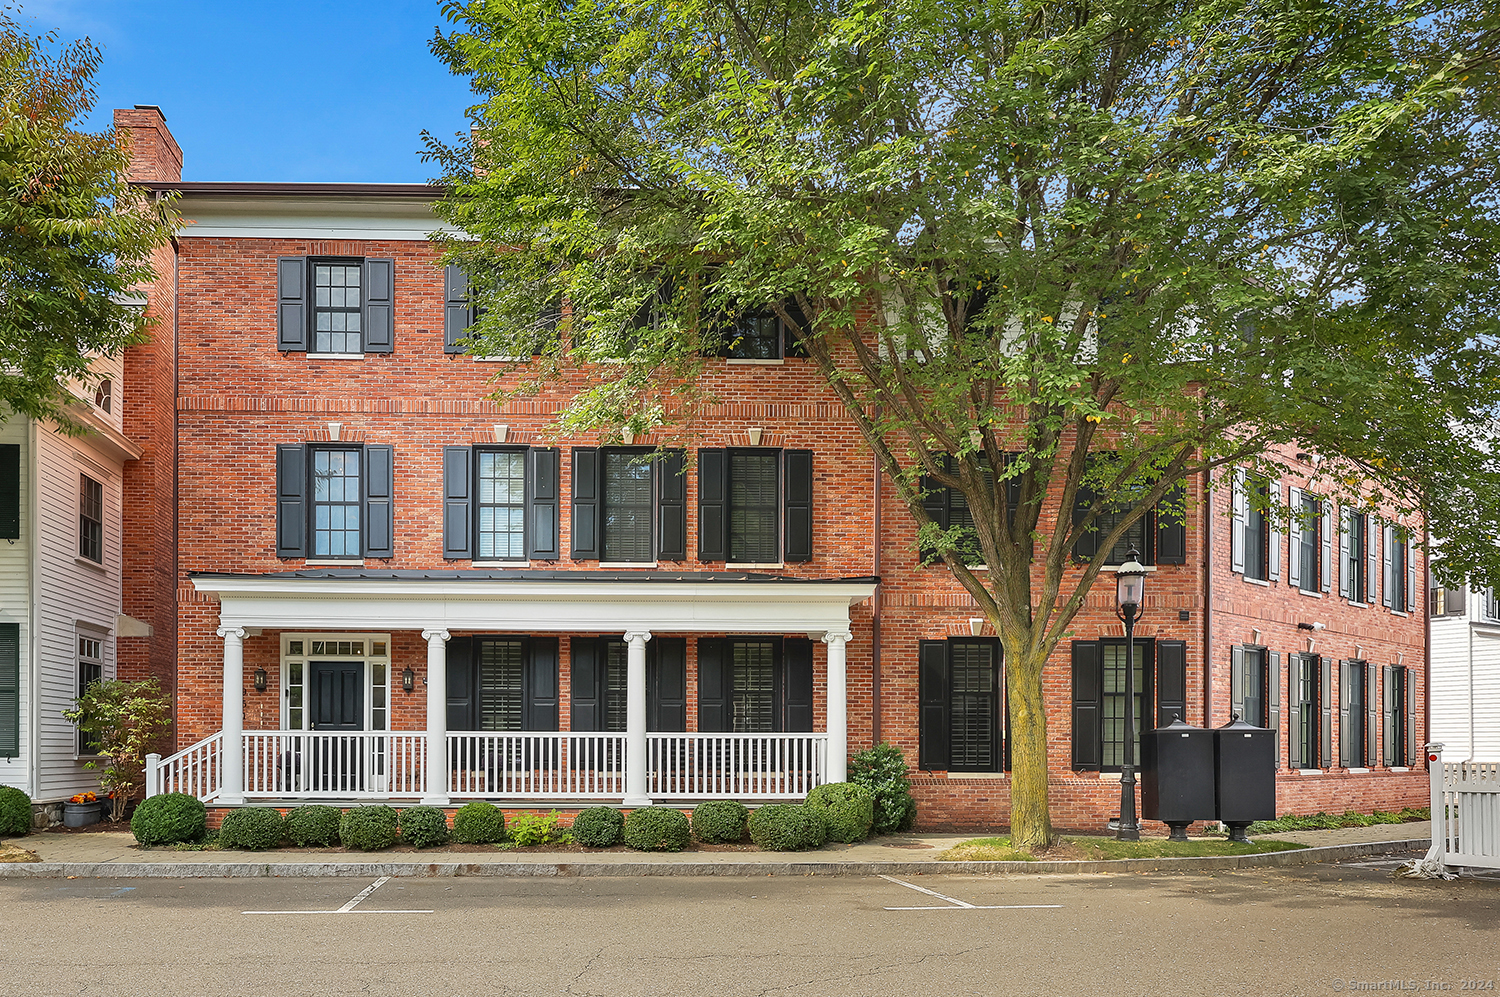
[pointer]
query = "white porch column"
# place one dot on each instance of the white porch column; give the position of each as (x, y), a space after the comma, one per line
(437, 718)
(635, 719)
(232, 778)
(838, 705)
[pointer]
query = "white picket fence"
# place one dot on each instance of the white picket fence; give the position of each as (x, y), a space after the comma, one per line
(1465, 810)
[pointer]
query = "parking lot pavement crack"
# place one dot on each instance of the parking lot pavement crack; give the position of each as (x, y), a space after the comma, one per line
(870, 973)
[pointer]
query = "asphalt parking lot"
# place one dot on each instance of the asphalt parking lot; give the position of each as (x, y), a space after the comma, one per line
(1314, 929)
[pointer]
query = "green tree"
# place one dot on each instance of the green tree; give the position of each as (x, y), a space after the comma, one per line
(73, 232)
(1060, 250)
(122, 720)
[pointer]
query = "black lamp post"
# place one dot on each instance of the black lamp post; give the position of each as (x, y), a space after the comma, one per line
(1130, 588)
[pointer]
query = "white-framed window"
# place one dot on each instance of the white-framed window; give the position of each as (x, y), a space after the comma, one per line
(90, 519)
(90, 670)
(302, 656)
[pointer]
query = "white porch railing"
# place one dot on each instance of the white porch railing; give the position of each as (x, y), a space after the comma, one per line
(521, 765)
(195, 770)
(1465, 810)
(335, 764)
(536, 765)
(735, 766)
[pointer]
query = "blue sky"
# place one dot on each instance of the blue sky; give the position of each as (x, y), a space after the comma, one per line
(322, 90)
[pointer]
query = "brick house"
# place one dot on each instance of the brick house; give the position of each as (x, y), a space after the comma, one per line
(389, 587)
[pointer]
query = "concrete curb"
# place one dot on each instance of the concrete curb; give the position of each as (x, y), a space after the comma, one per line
(529, 870)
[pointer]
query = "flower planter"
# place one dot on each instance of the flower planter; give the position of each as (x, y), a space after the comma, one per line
(80, 814)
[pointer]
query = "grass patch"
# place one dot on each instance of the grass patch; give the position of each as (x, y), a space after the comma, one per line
(15, 853)
(984, 850)
(1325, 822)
(210, 843)
(1161, 848)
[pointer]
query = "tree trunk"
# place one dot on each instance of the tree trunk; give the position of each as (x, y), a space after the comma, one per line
(1030, 818)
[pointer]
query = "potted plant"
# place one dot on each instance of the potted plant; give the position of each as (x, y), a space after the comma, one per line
(122, 720)
(81, 810)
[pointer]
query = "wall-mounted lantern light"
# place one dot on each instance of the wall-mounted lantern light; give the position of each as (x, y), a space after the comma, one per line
(408, 679)
(260, 680)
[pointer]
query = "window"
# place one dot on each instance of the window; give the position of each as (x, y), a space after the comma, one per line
(1310, 566)
(355, 667)
(1255, 689)
(1356, 541)
(1398, 714)
(754, 505)
(1160, 676)
(337, 305)
(598, 675)
(1160, 535)
(1309, 737)
(1358, 708)
(1449, 601)
(1491, 606)
(104, 395)
(949, 507)
(90, 519)
(755, 684)
(460, 313)
(629, 506)
(333, 501)
(962, 714)
(760, 334)
(502, 683)
(1398, 570)
(1254, 540)
(500, 503)
(90, 670)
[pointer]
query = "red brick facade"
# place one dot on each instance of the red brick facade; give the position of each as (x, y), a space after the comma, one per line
(237, 398)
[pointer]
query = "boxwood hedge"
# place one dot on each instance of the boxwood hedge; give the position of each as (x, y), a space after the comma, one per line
(657, 829)
(252, 828)
(479, 823)
(314, 826)
(168, 818)
(368, 829)
(15, 812)
(847, 809)
(787, 827)
(423, 827)
(719, 821)
(598, 827)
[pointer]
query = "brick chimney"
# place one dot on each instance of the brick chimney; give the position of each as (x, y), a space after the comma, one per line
(154, 154)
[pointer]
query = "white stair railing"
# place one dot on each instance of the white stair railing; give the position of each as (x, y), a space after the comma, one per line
(735, 766)
(196, 770)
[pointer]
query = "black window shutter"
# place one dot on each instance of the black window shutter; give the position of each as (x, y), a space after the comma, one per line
(291, 303)
(935, 504)
(713, 500)
(1273, 698)
(10, 491)
(792, 345)
(587, 681)
(456, 309)
(542, 488)
(586, 503)
(798, 473)
(458, 512)
(1347, 748)
(540, 710)
(1409, 728)
(1012, 492)
(932, 698)
(10, 690)
(1087, 755)
(1171, 526)
(291, 500)
(671, 506)
(379, 516)
(1325, 712)
(666, 684)
(1171, 681)
(713, 686)
(1388, 681)
(1237, 684)
(1372, 715)
(380, 308)
(1087, 544)
(1294, 667)
(797, 659)
(461, 701)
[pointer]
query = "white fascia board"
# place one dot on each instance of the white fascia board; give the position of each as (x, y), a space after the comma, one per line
(486, 604)
(309, 218)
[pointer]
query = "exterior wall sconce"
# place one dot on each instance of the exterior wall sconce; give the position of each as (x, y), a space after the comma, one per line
(408, 679)
(260, 680)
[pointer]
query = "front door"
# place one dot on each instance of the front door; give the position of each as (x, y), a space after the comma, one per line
(337, 705)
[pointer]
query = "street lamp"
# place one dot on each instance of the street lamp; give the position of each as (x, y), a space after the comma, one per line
(1130, 589)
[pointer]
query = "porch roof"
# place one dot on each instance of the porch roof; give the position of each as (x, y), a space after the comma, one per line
(535, 601)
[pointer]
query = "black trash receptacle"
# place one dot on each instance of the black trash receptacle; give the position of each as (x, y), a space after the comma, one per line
(1177, 776)
(1245, 773)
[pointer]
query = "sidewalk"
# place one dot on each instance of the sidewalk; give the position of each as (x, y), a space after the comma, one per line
(115, 854)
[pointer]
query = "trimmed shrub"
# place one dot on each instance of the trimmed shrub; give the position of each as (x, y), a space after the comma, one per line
(882, 770)
(253, 828)
(479, 823)
(719, 821)
(314, 826)
(598, 827)
(169, 818)
(657, 829)
(15, 812)
(423, 827)
(847, 809)
(787, 827)
(368, 828)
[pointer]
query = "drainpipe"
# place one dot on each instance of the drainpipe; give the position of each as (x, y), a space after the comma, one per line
(34, 613)
(1208, 597)
(875, 487)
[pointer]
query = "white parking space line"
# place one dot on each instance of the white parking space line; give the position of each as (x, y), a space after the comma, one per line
(956, 904)
(348, 908)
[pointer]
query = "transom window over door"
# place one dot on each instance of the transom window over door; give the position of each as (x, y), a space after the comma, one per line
(502, 506)
(337, 307)
(335, 503)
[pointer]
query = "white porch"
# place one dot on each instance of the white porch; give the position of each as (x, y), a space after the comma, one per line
(438, 766)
